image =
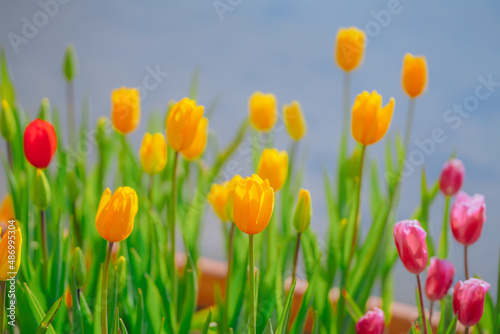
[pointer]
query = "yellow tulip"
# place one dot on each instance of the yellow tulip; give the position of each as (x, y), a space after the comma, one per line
(153, 153)
(349, 48)
(303, 211)
(116, 214)
(294, 120)
(273, 165)
(182, 123)
(231, 187)
(10, 262)
(126, 109)
(414, 76)
(199, 143)
(262, 111)
(253, 205)
(217, 197)
(370, 121)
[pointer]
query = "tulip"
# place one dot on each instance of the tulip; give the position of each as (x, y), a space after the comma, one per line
(79, 267)
(468, 215)
(125, 109)
(116, 214)
(9, 265)
(349, 48)
(231, 187)
(468, 300)
(439, 278)
(262, 111)
(410, 242)
(153, 153)
(40, 143)
(452, 177)
(303, 211)
(182, 123)
(41, 193)
(294, 120)
(373, 322)
(217, 197)
(273, 165)
(7, 122)
(6, 213)
(199, 143)
(370, 121)
(68, 299)
(253, 204)
(414, 75)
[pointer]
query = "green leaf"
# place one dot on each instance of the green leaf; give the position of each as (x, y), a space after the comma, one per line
(285, 316)
(352, 307)
(194, 85)
(446, 313)
(45, 324)
(116, 325)
(139, 313)
(123, 329)
(190, 295)
(7, 91)
(206, 326)
(452, 328)
(269, 328)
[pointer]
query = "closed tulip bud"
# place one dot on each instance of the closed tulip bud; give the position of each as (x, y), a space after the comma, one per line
(68, 299)
(9, 263)
(103, 129)
(414, 75)
(119, 273)
(468, 300)
(370, 121)
(231, 186)
(303, 211)
(468, 215)
(452, 177)
(217, 197)
(262, 111)
(73, 185)
(78, 264)
(7, 122)
(41, 192)
(410, 242)
(253, 205)
(197, 147)
(182, 123)
(153, 153)
(294, 120)
(116, 214)
(40, 143)
(439, 278)
(273, 165)
(70, 64)
(349, 48)
(44, 110)
(373, 322)
(125, 109)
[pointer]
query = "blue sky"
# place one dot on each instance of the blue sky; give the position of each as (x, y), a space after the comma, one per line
(285, 48)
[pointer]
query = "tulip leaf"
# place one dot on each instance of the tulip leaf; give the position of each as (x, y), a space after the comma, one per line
(123, 329)
(116, 323)
(285, 315)
(139, 313)
(452, 328)
(353, 308)
(45, 324)
(206, 325)
(189, 307)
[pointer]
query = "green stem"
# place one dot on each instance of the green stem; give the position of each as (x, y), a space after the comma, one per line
(430, 312)
(9, 154)
(409, 121)
(466, 330)
(228, 275)
(296, 257)
(173, 199)
(2, 305)
(443, 241)
(251, 276)
(104, 291)
(44, 238)
(344, 144)
(424, 321)
(347, 93)
(151, 182)
(71, 114)
(466, 263)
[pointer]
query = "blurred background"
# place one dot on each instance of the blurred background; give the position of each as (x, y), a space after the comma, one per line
(240, 46)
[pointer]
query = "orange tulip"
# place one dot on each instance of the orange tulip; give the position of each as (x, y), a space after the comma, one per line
(370, 121)
(294, 120)
(153, 153)
(349, 48)
(182, 123)
(199, 143)
(273, 165)
(6, 213)
(126, 109)
(221, 197)
(253, 205)
(7, 264)
(262, 111)
(414, 75)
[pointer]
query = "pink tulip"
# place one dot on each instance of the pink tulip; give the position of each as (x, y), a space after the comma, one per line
(439, 278)
(452, 177)
(468, 215)
(373, 322)
(410, 242)
(468, 300)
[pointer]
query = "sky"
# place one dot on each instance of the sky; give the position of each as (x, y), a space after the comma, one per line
(285, 48)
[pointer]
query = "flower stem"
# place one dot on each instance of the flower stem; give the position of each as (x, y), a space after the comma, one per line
(424, 321)
(44, 238)
(409, 121)
(251, 276)
(443, 241)
(466, 330)
(71, 114)
(9, 154)
(2, 305)
(296, 257)
(104, 291)
(228, 275)
(430, 312)
(173, 199)
(466, 263)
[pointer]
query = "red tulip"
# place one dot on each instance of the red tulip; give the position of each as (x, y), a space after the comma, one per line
(468, 215)
(410, 242)
(373, 322)
(439, 278)
(468, 300)
(452, 177)
(40, 143)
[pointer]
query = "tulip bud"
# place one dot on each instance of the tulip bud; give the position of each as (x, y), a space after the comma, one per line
(294, 120)
(44, 110)
(41, 192)
(410, 242)
(40, 143)
(68, 299)
(125, 109)
(414, 75)
(217, 197)
(439, 278)
(7, 122)
(103, 129)
(468, 300)
(253, 205)
(182, 123)
(262, 111)
(73, 186)
(119, 273)
(370, 121)
(373, 322)
(273, 165)
(70, 64)
(349, 48)
(468, 215)
(197, 147)
(153, 153)
(7, 265)
(303, 211)
(452, 177)
(78, 264)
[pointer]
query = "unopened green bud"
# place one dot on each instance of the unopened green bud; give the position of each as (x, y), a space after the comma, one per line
(78, 264)
(41, 191)
(44, 111)
(7, 122)
(70, 64)
(119, 273)
(303, 211)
